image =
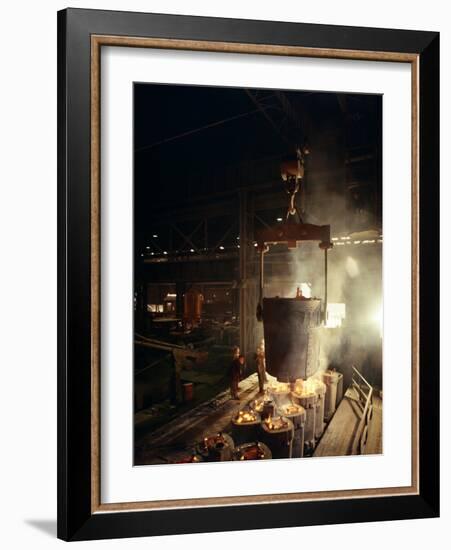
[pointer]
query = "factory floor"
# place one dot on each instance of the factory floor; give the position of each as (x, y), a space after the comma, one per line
(172, 441)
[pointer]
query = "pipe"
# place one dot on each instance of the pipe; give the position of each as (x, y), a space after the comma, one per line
(325, 285)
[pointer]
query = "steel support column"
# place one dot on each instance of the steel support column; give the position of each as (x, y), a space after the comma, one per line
(248, 282)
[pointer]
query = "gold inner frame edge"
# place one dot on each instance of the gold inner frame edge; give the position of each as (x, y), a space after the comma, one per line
(97, 41)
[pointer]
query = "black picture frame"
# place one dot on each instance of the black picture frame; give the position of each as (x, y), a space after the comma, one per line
(76, 520)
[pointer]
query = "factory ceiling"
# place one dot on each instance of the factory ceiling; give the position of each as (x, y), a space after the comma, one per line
(193, 141)
(193, 131)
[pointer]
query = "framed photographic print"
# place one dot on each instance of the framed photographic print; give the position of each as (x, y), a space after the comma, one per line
(248, 274)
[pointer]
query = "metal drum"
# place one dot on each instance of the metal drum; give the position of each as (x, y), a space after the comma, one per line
(315, 385)
(278, 432)
(331, 378)
(245, 426)
(280, 393)
(308, 400)
(264, 406)
(216, 448)
(252, 451)
(297, 415)
(291, 329)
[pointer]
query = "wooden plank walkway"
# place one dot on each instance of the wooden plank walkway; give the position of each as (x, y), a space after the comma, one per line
(338, 437)
(178, 436)
(339, 434)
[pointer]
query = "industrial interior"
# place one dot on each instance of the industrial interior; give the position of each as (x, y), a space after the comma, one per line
(257, 274)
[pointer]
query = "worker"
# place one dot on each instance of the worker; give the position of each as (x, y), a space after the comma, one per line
(235, 375)
(261, 367)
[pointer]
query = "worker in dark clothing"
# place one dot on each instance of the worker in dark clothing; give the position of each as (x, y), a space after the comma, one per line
(236, 352)
(261, 367)
(235, 375)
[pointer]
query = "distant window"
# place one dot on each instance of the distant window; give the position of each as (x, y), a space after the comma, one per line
(155, 308)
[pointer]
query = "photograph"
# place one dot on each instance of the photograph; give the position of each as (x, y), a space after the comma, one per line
(222, 244)
(248, 273)
(257, 278)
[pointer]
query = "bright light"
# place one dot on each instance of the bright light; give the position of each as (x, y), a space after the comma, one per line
(335, 315)
(378, 318)
(164, 252)
(191, 249)
(221, 248)
(279, 219)
(352, 268)
(155, 236)
(147, 247)
(306, 290)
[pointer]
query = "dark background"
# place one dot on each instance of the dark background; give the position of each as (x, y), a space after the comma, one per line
(193, 141)
(207, 177)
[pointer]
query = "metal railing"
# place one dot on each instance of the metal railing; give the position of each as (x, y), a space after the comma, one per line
(364, 391)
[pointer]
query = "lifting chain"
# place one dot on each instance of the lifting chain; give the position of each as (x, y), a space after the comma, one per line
(292, 208)
(292, 184)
